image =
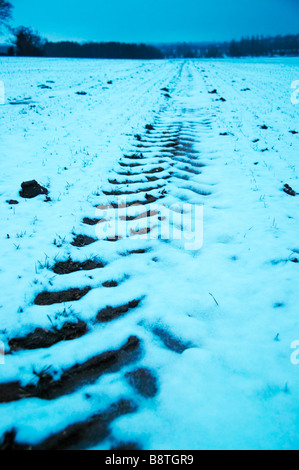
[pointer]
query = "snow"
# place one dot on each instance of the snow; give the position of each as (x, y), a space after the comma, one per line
(235, 387)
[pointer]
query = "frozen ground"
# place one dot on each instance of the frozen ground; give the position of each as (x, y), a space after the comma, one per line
(208, 363)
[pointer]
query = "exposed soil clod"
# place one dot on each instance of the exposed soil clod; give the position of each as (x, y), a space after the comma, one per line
(112, 313)
(10, 392)
(142, 231)
(144, 381)
(170, 341)
(70, 295)
(87, 432)
(130, 165)
(290, 191)
(44, 87)
(83, 240)
(67, 267)
(25, 101)
(129, 218)
(126, 446)
(82, 434)
(31, 189)
(155, 170)
(88, 221)
(110, 284)
(113, 239)
(12, 202)
(43, 338)
(134, 157)
(9, 442)
(152, 178)
(71, 379)
(126, 182)
(128, 173)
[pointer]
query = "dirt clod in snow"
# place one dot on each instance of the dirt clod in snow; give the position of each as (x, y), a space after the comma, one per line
(77, 435)
(31, 189)
(170, 341)
(67, 267)
(74, 377)
(112, 313)
(43, 338)
(70, 295)
(44, 87)
(143, 381)
(12, 202)
(110, 284)
(9, 442)
(287, 189)
(88, 221)
(83, 240)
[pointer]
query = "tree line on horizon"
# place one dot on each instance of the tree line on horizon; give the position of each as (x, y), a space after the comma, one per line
(102, 50)
(27, 43)
(256, 46)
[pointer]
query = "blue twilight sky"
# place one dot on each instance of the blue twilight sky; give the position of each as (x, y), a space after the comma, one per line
(156, 20)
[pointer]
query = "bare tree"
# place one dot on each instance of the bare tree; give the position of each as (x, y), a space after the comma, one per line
(5, 10)
(28, 42)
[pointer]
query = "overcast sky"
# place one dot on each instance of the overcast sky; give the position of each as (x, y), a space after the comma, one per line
(156, 20)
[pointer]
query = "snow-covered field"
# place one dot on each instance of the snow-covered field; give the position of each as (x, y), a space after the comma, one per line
(195, 351)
